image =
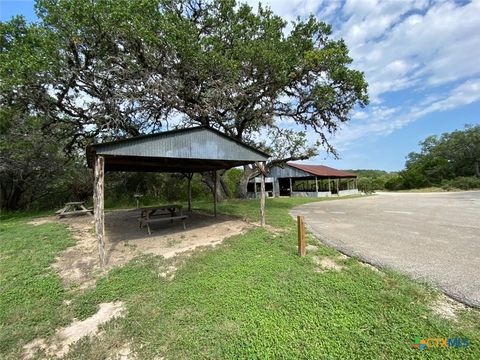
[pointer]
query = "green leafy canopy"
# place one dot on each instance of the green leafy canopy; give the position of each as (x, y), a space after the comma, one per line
(121, 68)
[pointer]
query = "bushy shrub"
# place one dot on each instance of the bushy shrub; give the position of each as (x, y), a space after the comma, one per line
(462, 182)
(366, 185)
(371, 180)
(395, 183)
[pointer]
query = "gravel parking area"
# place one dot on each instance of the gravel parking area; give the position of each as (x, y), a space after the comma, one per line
(430, 236)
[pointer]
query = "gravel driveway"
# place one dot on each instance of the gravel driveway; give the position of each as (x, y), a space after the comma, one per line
(430, 236)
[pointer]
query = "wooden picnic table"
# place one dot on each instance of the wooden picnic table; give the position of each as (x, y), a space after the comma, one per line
(73, 208)
(152, 214)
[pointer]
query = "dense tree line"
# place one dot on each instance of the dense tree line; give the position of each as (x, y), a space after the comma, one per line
(451, 160)
(106, 69)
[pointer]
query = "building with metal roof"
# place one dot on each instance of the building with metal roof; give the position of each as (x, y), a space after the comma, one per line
(198, 149)
(306, 181)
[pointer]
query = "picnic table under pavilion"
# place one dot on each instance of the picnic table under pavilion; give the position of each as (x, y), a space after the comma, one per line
(199, 149)
(154, 214)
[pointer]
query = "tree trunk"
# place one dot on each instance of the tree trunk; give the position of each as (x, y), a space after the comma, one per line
(248, 173)
(225, 188)
(477, 168)
(207, 179)
(11, 199)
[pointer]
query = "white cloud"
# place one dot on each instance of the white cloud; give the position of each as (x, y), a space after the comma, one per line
(403, 44)
(400, 44)
(385, 120)
(371, 19)
(464, 94)
(429, 50)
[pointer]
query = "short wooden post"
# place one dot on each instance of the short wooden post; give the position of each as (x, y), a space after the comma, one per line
(301, 236)
(98, 198)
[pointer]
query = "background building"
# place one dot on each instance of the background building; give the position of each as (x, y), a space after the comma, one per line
(306, 181)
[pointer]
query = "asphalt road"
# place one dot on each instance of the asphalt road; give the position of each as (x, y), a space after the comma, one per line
(433, 237)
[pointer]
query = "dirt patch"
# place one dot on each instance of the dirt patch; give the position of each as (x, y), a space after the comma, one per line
(446, 307)
(79, 265)
(311, 248)
(272, 229)
(168, 272)
(169, 239)
(123, 353)
(43, 220)
(326, 263)
(59, 345)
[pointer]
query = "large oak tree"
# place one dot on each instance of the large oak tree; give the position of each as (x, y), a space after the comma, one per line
(118, 68)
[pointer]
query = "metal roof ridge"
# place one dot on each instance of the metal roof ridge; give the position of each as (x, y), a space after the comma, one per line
(174, 131)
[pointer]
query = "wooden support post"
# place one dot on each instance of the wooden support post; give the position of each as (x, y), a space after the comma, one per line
(263, 173)
(316, 185)
(301, 236)
(329, 186)
(338, 190)
(215, 193)
(98, 198)
(291, 187)
(189, 177)
(262, 201)
(189, 194)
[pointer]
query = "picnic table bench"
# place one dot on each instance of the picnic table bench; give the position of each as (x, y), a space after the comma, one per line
(73, 208)
(154, 214)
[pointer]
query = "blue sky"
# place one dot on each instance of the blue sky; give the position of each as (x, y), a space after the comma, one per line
(421, 59)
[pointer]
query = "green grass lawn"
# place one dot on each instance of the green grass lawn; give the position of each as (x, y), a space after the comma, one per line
(251, 297)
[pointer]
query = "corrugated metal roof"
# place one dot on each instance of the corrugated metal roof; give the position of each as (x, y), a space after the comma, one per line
(321, 170)
(193, 144)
